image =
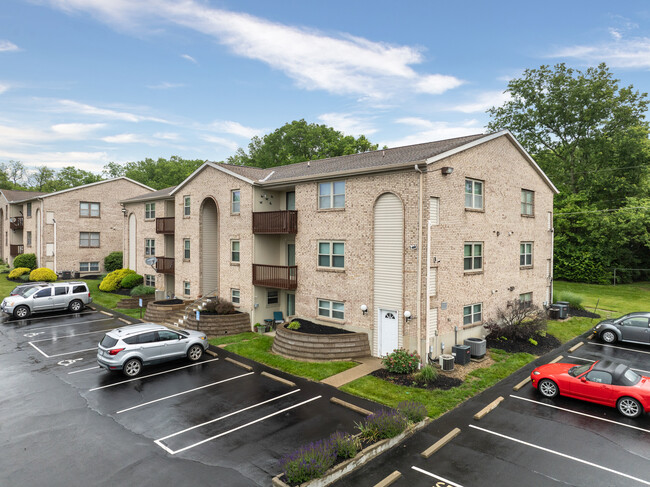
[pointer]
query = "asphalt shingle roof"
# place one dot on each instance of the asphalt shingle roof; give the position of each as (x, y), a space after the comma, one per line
(13, 195)
(154, 195)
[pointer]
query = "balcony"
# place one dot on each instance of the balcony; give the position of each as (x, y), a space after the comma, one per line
(165, 225)
(16, 222)
(15, 250)
(275, 276)
(165, 265)
(275, 222)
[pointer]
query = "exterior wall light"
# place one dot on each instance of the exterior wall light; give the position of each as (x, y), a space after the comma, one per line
(364, 308)
(407, 315)
(447, 170)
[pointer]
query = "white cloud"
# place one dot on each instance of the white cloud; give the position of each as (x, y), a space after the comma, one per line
(125, 139)
(76, 130)
(622, 52)
(431, 131)
(7, 46)
(166, 136)
(84, 109)
(165, 86)
(88, 161)
(235, 128)
(3, 88)
(14, 135)
(348, 124)
(189, 58)
(343, 64)
(229, 144)
(482, 102)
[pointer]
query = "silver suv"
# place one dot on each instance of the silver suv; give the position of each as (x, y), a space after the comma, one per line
(70, 295)
(131, 347)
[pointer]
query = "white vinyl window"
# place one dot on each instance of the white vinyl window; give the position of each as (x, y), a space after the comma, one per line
(89, 239)
(234, 296)
(527, 202)
(473, 256)
(186, 249)
(186, 288)
(29, 238)
(234, 250)
(149, 211)
(473, 194)
(235, 201)
(526, 298)
(472, 314)
(89, 266)
(331, 309)
(272, 296)
(526, 254)
(331, 254)
(149, 246)
(331, 195)
(149, 280)
(186, 206)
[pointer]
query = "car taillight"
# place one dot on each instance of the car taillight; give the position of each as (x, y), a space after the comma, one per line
(88, 294)
(115, 351)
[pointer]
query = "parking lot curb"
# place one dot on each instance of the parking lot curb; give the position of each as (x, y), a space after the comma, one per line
(351, 406)
(279, 379)
(440, 443)
(106, 313)
(576, 346)
(521, 384)
(489, 407)
(210, 352)
(389, 480)
(556, 359)
(239, 364)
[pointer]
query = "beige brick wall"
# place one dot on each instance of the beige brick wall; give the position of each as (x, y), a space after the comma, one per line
(145, 229)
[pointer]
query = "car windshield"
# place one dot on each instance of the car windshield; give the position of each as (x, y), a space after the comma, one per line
(578, 369)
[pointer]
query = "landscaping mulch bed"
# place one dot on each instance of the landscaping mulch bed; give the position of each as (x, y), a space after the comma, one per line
(309, 327)
(168, 302)
(582, 313)
(544, 345)
(441, 382)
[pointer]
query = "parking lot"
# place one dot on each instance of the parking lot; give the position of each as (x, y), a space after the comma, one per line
(222, 412)
(529, 440)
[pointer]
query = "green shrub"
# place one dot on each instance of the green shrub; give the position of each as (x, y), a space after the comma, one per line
(413, 410)
(294, 325)
(112, 281)
(142, 290)
(401, 361)
(42, 274)
(345, 445)
(17, 272)
(574, 300)
(385, 423)
(308, 462)
(113, 261)
(25, 260)
(4, 267)
(426, 375)
(131, 280)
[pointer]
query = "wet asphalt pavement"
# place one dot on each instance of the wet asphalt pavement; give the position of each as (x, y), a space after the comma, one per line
(65, 422)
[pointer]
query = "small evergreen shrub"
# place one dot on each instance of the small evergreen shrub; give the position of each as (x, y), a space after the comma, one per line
(112, 281)
(43, 274)
(4, 268)
(113, 261)
(413, 410)
(131, 280)
(308, 462)
(426, 375)
(294, 325)
(142, 290)
(401, 361)
(25, 260)
(17, 272)
(385, 423)
(345, 445)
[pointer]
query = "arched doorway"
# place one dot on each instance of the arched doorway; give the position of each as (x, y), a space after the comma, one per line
(132, 242)
(209, 247)
(388, 271)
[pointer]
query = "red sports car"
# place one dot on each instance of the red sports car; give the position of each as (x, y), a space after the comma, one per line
(603, 382)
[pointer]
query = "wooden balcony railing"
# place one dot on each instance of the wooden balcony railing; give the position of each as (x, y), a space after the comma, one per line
(15, 250)
(165, 225)
(276, 276)
(16, 222)
(275, 222)
(165, 265)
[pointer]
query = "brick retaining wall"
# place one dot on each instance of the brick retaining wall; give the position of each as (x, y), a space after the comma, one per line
(217, 325)
(160, 313)
(134, 302)
(320, 348)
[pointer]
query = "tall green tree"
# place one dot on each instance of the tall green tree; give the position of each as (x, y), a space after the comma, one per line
(158, 174)
(41, 179)
(299, 141)
(15, 172)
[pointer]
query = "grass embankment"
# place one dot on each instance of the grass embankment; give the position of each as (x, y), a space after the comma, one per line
(258, 347)
(607, 300)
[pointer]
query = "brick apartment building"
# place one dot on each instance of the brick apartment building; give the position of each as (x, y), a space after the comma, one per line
(415, 245)
(69, 230)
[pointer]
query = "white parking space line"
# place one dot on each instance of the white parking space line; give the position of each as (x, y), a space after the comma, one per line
(184, 392)
(69, 324)
(189, 447)
(52, 317)
(587, 360)
(619, 348)
(436, 476)
(71, 336)
(69, 353)
(581, 414)
(151, 375)
(560, 454)
(85, 370)
(39, 350)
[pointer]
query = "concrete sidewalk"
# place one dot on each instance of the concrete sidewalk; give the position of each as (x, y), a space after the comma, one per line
(366, 366)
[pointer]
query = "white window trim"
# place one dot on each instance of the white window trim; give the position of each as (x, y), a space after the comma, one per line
(473, 314)
(150, 250)
(187, 206)
(532, 204)
(525, 254)
(474, 195)
(472, 257)
(331, 254)
(268, 292)
(331, 195)
(330, 309)
(187, 249)
(186, 288)
(233, 297)
(150, 211)
(232, 202)
(232, 251)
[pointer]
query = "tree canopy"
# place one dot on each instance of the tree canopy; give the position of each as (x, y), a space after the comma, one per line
(158, 174)
(590, 136)
(299, 141)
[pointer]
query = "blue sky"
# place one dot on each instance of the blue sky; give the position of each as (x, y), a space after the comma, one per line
(87, 82)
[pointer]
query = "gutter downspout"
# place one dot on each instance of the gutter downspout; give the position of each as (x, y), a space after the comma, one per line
(419, 274)
(40, 237)
(54, 220)
(550, 276)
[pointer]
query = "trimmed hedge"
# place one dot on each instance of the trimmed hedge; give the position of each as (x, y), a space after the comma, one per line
(113, 261)
(42, 274)
(113, 280)
(25, 260)
(131, 280)
(17, 272)
(142, 290)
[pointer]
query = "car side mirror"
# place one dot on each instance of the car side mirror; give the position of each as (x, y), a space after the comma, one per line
(583, 379)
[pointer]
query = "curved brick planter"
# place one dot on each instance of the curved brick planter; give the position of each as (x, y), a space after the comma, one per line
(160, 313)
(133, 303)
(216, 325)
(320, 348)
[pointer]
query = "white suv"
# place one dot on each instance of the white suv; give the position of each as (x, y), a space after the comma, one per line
(72, 295)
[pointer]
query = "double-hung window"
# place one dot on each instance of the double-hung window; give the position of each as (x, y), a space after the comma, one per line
(527, 202)
(88, 266)
(526, 299)
(472, 314)
(473, 256)
(29, 210)
(235, 201)
(331, 254)
(88, 239)
(473, 194)
(149, 280)
(186, 288)
(29, 238)
(186, 206)
(88, 209)
(526, 254)
(186, 249)
(272, 297)
(149, 246)
(331, 309)
(331, 195)
(234, 250)
(149, 211)
(234, 296)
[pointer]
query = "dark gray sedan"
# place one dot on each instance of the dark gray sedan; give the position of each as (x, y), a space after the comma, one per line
(632, 327)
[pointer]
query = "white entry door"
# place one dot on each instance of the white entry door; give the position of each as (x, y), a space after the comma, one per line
(388, 331)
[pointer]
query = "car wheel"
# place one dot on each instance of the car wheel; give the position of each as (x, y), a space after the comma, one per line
(548, 388)
(132, 367)
(21, 312)
(75, 306)
(608, 336)
(195, 353)
(628, 406)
